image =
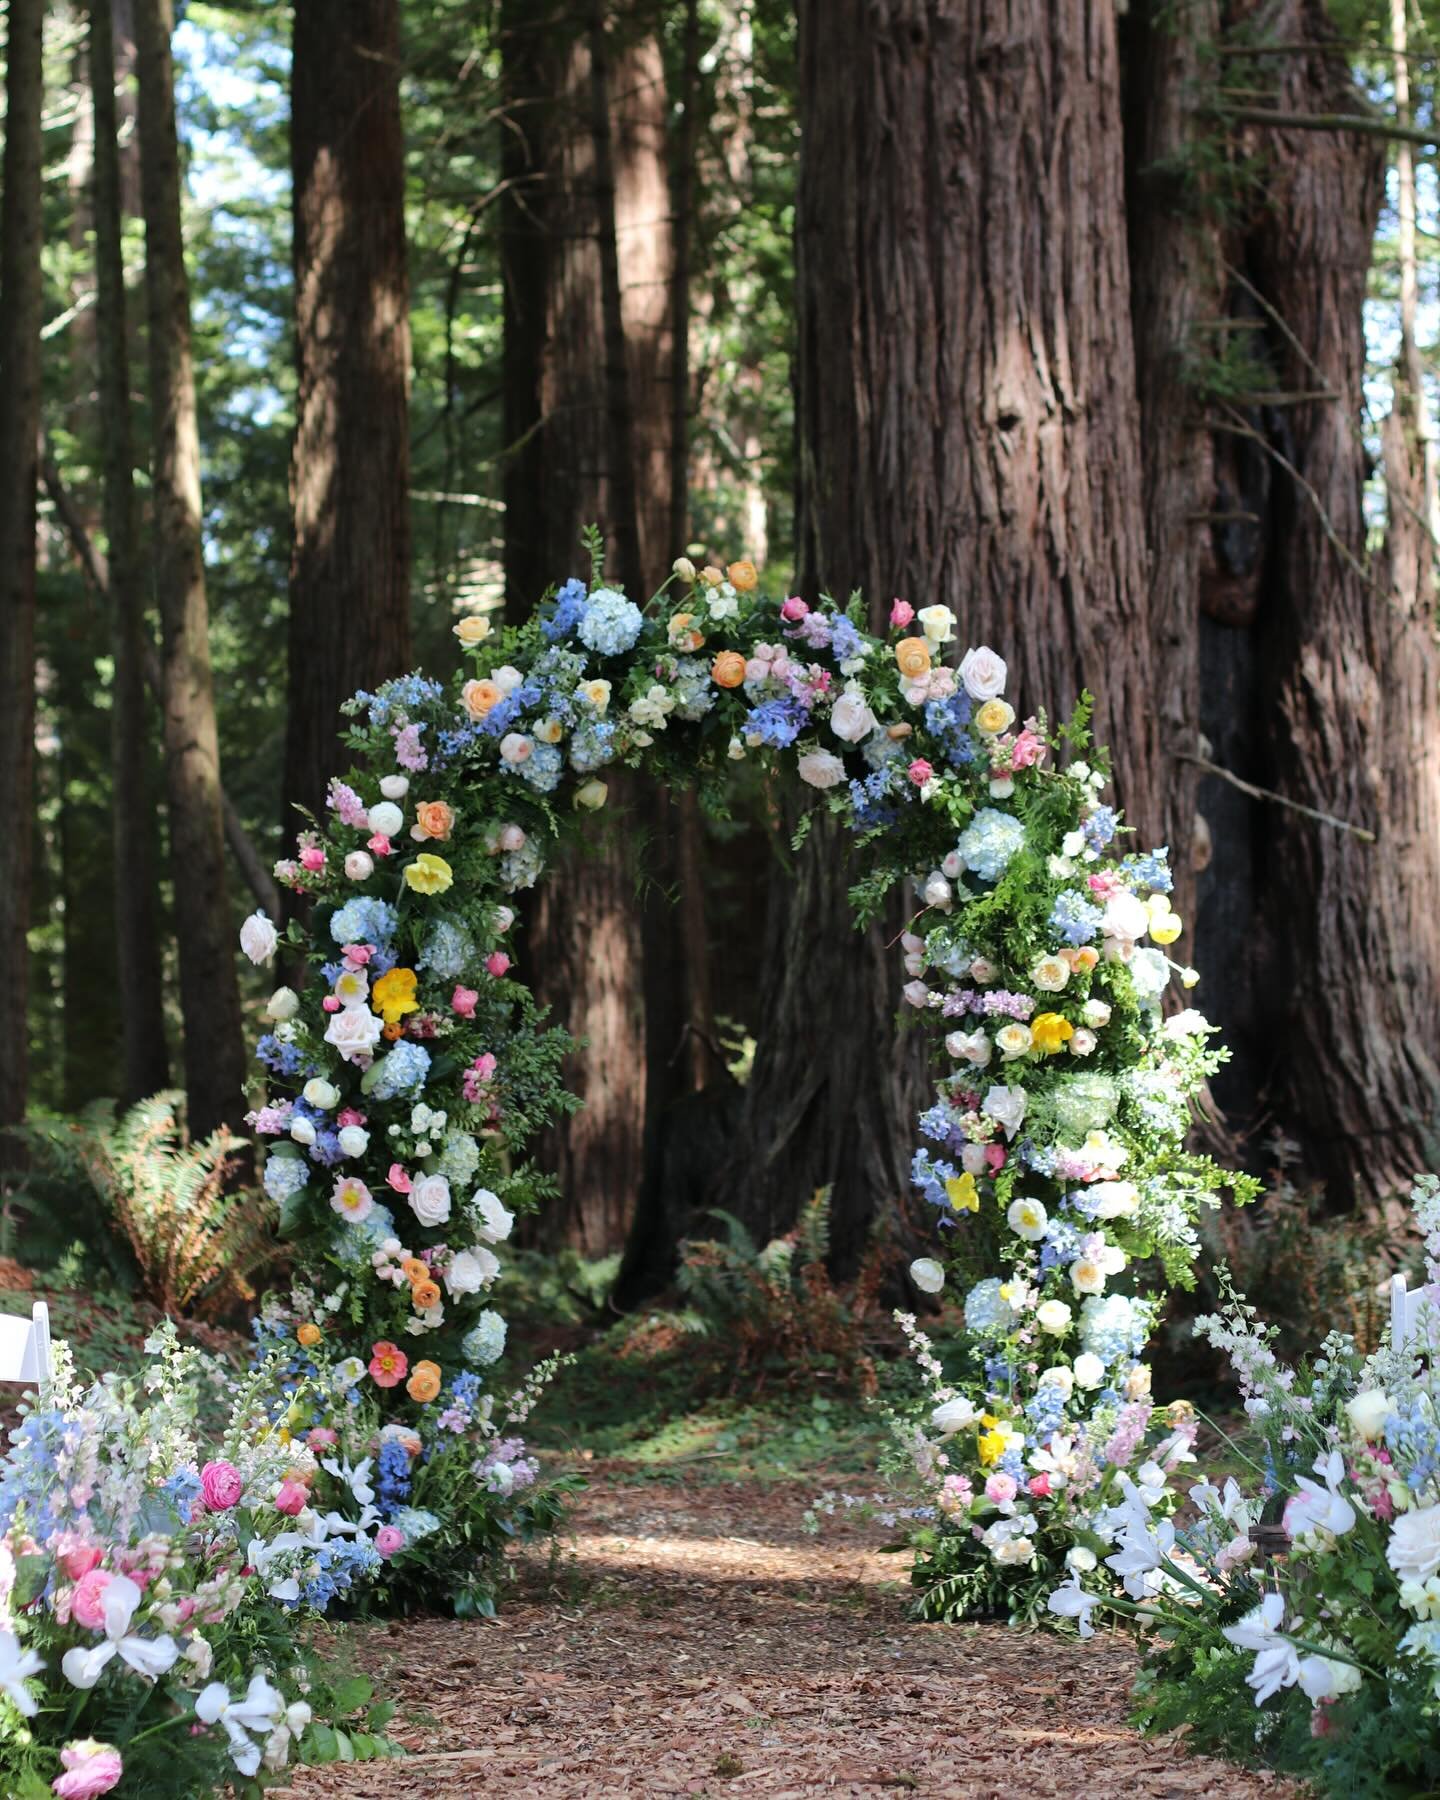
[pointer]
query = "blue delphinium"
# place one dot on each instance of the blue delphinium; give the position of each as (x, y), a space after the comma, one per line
(392, 1477)
(929, 1174)
(569, 610)
(1152, 871)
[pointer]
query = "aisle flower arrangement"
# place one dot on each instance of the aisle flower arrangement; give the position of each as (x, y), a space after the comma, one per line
(1291, 1615)
(408, 1071)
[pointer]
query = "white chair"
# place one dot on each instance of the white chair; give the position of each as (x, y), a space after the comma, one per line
(1404, 1308)
(25, 1347)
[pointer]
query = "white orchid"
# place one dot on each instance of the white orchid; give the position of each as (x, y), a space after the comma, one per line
(148, 1657)
(357, 1479)
(1276, 1663)
(260, 1711)
(1317, 1511)
(1140, 1555)
(1072, 1602)
(16, 1665)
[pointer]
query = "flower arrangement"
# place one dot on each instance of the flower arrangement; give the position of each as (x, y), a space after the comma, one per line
(1292, 1616)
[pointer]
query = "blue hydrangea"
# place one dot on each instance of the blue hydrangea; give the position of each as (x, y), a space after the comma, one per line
(364, 920)
(284, 1176)
(459, 1159)
(1045, 1410)
(1150, 872)
(987, 1312)
(947, 721)
(569, 610)
(777, 722)
(402, 1071)
(990, 842)
(353, 1246)
(1075, 918)
(592, 746)
(416, 1522)
(1114, 1327)
(279, 1057)
(541, 769)
(448, 949)
(484, 1343)
(692, 688)
(845, 640)
(610, 624)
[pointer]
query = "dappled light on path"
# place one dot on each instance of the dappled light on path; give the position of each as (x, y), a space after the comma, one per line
(695, 1641)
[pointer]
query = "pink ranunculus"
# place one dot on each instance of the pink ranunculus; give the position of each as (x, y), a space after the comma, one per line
(1000, 1488)
(497, 962)
(462, 1002)
(312, 857)
(794, 610)
(398, 1180)
(91, 1769)
(389, 1540)
(221, 1485)
(330, 1003)
(292, 1498)
(994, 1158)
(920, 771)
(87, 1604)
(901, 613)
(1039, 1486)
(380, 844)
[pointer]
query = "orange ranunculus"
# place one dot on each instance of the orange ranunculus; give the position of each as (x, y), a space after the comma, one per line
(728, 669)
(413, 1269)
(479, 697)
(424, 1382)
(743, 576)
(912, 654)
(685, 636)
(1082, 960)
(393, 995)
(433, 819)
(308, 1335)
(425, 1294)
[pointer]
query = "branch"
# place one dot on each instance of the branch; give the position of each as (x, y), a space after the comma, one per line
(1259, 793)
(97, 572)
(1361, 122)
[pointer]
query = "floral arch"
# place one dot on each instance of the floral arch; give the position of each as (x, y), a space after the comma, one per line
(407, 1074)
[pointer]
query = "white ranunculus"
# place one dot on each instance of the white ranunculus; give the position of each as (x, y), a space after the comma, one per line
(953, 1415)
(515, 747)
(321, 1093)
(1089, 1370)
(385, 818)
(258, 938)
(359, 865)
(1082, 1043)
(354, 1031)
(430, 1200)
(970, 1046)
(927, 1274)
(498, 1217)
(851, 717)
(394, 787)
(507, 678)
(471, 1271)
(1096, 1013)
(354, 1140)
(938, 624)
(820, 768)
(283, 1004)
(1368, 1410)
(1050, 975)
(983, 673)
(1053, 1316)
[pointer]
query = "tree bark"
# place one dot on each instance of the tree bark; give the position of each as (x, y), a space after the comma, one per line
(20, 316)
(137, 913)
(350, 471)
(209, 993)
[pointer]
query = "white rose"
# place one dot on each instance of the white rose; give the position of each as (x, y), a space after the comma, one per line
(937, 891)
(1086, 1276)
(515, 747)
(953, 1415)
(1082, 1043)
(394, 787)
(302, 1130)
(471, 1271)
(321, 1093)
(385, 818)
(1050, 974)
(1013, 1040)
(1368, 1411)
(1089, 1370)
(1414, 1548)
(258, 938)
(498, 1218)
(1058, 1377)
(354, 1140)
(359, 865)
(430, 1200)
(354, 1031)
(983, 674)
(970, 1046)
(927, 1274)
(938, 624)
(1096, 1013)
(952, 866)
(983, 971)
(1053, 1316)
(1125, 917)
(506, 678)
(916, 993)
(820, 768)
(591, 795)
(504, 917)
(283, 1004)
(1001, 787)
(851, 718)
(1006, 1105)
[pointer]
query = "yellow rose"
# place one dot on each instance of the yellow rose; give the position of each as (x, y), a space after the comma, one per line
(743, 576)
(596, 692)
(962, 1193)
(1050, 1032)
(994, 717)
(428, 875)
(433, 819)
(912, 655)
(471, 630)
(394, 995)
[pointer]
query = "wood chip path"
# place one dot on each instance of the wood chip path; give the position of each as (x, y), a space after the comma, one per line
(696, 1642)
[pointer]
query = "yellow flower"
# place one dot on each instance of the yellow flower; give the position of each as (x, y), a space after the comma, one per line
(549, 731)
(428, 874)
(991, 1447)
(994, 717)
(1165, 930)
(596, 692)
(471, 630)
(912, 656)
(1050, 1032)
(962, 1193)
(394, 995)
(711, 576)
(307, 1335)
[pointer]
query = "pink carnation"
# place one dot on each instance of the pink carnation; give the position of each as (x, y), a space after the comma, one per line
(90, 1769)
(1039, 1486)
(221, 1486)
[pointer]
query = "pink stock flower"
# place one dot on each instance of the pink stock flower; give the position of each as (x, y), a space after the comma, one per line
(497, 962)
(480, 1071)
(87, 1604)
(221, 1486)
(91, 1769)
(901, 613)
(920, 771)
(291, 1498)
(389, 1539)
(398, 1179)
(462, 1002)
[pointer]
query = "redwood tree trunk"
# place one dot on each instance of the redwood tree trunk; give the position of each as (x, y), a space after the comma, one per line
(137, 913)
(350, 473)
(204, 927)
(20, 314)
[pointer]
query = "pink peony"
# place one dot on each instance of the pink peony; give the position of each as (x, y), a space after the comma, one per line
(389, 1539)
(920, 771)
(358, 955)
(90, 1769)
(291, 1498)
(462, 1002)
(221, 1486)
(87, 1604)
(497, 962)
(901, 613)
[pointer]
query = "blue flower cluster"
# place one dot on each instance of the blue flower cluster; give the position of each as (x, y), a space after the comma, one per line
(869, 798)
(1152, 871)
(987, 1312)
(284, 1176)
(1075, 918)
(542, 769)
(929, 1175)
(279, 1057)
(1045, 1410)
(484, 1343)
(392, 1477)
(448, 949)
(569, 610)
(402, 1071)
(610, 623)
(592, 746)
(1101, 827)
(947, 719)
(1414, 1442)
(403, 696)
(1114, 1328)
(990, 842)
(777, 722)
(364, 920)
(337, 1565)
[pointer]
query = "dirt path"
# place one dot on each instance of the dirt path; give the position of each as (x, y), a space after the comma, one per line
(697, 1642)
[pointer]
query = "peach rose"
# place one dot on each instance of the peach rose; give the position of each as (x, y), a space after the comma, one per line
(728, 669)
(433, 819)
(743, 576)
(479, 697)
(912, 654)
(424, 1382)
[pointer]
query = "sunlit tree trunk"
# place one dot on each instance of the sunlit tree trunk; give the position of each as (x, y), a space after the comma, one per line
(20, 315)
(350, 472)
(204, 927)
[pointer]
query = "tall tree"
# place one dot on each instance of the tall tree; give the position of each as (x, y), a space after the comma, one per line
(350, 473)
(137, 922)
(20, 316)
(209, 992)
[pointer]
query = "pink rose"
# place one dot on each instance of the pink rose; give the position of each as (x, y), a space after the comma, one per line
(312, 857)
(462, 1002)
(994, 1158)
(77, 1559)
(389, 1539)
(794, 610)
(497, 962)
(330, 1004)
(87, 1604)
(291, 1498)
(349, 1117)
(1039, 1486)
(397, 1179)
(1026, 750)
(380, 844)
(357, 955)
(91, 1769)
(901, 613)
(920, 771)
(220, 1486)
(1000, 1488)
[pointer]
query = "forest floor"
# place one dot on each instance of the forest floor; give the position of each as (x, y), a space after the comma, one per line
(690, 1638)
